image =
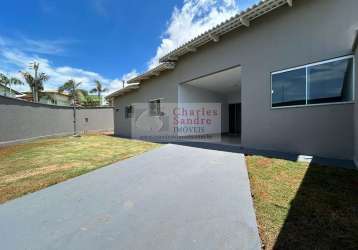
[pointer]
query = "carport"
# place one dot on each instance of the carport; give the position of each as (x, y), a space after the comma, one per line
(222, 87)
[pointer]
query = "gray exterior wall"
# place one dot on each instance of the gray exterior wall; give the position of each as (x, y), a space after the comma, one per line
(21, 120)
(99, 119)
(313, 30)
(160, 87)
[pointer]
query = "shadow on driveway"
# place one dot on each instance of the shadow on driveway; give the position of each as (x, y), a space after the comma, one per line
(348, 164)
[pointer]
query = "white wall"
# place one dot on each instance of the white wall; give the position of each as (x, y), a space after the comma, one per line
(191, 94)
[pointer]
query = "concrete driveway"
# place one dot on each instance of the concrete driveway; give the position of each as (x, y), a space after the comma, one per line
(174, 197)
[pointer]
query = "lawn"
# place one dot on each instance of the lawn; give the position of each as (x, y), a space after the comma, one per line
(298, 206)
(301, 206)
(28, 167)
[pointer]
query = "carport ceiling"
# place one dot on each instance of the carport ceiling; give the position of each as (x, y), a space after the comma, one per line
(223, 82)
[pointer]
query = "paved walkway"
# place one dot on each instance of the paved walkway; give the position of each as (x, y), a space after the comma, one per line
(174, 197)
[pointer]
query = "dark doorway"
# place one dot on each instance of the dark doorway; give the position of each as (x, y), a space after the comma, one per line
(235, 118)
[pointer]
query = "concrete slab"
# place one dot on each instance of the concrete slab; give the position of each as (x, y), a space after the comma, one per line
(174, 197)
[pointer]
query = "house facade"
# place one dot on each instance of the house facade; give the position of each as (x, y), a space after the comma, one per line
(285, 69)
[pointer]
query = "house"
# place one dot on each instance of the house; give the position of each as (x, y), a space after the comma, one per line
(7, 91)
(49, 97)
(282, 70)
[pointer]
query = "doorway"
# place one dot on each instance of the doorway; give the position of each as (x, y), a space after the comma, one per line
(222, 87)
(235, 118)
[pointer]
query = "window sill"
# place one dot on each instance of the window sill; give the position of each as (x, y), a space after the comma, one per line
(313, 105)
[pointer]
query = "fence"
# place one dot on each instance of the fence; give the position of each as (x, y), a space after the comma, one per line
(21, 120)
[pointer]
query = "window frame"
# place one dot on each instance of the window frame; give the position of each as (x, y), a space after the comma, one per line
(307, 66)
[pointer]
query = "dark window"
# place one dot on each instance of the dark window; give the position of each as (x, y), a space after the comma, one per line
(327, 82)
(86, 119)
(154, 107)
(289, 88)
(331, 82)
(128, 112)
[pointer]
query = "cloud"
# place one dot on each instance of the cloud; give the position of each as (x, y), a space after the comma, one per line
(14, 59)
(187, 22)
(116, 84)
(43, 47)
(192, 19)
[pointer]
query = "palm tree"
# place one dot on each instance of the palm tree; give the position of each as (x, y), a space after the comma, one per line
(8, 81)
(99, 90)
(35, 81)
(75, 93)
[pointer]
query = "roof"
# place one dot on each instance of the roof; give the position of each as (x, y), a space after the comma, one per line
(49, 92)
(153, 72)
(126, 89)
(12, 90)
(241, 19)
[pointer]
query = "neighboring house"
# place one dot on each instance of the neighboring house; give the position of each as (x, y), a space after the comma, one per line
(283, 70)
(6, 91)
(49, 97)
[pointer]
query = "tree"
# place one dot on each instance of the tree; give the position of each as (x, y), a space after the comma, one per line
(35, 81)
(99, 90)
(75, 93)
(7, 81)
(90, 101)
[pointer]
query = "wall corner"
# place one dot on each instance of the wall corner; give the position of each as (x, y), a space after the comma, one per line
(355, 111)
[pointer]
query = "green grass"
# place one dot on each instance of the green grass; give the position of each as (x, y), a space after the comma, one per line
(304, 207)
(28, 167)
(297, 206)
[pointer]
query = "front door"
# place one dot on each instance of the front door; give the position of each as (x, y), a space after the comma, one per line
(235, 118)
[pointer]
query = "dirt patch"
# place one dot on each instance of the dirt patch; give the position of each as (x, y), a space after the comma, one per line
(264, 162)
(13, 149)
(36, 171)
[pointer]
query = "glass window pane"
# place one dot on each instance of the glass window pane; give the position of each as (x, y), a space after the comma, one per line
(128, 111)
(331, 82)
(289, 88)
(154, 107)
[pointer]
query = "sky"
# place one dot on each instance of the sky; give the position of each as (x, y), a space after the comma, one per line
(106, 40)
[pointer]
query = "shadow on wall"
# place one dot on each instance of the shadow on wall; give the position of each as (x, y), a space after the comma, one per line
(324, 212)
